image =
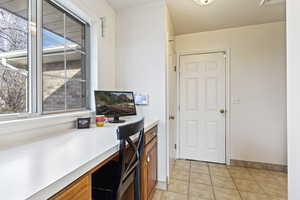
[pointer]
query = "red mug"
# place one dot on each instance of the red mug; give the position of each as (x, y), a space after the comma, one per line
(100, 120)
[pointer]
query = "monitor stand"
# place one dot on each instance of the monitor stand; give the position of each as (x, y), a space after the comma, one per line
(116, 120)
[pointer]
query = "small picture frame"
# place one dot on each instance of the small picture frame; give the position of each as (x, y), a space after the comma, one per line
(83, 123)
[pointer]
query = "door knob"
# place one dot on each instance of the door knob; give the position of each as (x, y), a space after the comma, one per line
(222, 111)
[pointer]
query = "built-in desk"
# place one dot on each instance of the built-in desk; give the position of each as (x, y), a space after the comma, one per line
(50, 167)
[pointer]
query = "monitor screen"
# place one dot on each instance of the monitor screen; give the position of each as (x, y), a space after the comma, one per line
(111, 103)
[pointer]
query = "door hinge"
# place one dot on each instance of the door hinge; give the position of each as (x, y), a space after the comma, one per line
(175, 68)
(175, 146)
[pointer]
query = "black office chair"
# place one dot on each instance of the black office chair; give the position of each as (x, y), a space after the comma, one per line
(112, 180)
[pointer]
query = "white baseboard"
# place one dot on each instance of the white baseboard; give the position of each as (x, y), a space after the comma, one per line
(162, 185)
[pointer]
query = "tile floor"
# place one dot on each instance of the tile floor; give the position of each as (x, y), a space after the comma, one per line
(191, 180)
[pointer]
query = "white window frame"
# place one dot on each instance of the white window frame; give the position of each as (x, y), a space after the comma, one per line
(35, 40)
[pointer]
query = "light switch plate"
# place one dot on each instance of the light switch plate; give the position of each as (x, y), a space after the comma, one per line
(141, 99)
(236, 101)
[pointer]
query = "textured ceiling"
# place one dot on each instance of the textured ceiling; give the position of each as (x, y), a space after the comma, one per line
(189, 17)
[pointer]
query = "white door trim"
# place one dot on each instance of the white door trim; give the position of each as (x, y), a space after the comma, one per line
(227, 53)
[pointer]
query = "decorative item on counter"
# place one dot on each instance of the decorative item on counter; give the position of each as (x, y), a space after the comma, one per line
(83, 123)
(100, 120)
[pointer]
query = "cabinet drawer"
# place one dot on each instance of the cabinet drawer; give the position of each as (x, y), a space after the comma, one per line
(79, 190)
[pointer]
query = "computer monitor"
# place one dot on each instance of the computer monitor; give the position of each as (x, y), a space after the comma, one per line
(115, 104)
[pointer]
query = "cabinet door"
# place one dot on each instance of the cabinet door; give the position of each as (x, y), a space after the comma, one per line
(151, 160)
(79, 190)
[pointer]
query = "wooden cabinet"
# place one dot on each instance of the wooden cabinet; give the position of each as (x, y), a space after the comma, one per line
(149, 166)
(80, 190)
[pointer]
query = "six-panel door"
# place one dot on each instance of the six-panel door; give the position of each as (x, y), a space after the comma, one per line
(202, 102)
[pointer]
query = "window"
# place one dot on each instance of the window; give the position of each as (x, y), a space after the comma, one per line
(64, 60)
(52, 80)
(13, 56)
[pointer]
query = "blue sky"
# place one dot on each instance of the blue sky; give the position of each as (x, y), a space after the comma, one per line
(52, 39)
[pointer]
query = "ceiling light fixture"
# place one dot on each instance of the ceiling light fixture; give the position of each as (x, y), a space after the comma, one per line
(203, 2)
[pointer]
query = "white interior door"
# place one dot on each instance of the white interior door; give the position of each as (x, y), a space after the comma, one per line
(202, 102)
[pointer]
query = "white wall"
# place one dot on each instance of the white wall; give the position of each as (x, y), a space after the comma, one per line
(258, 80)
(141, 65)
(293, 97)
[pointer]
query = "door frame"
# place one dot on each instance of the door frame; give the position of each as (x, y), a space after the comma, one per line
(227, 53)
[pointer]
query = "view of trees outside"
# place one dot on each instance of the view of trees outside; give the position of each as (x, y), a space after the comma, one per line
(13, 62)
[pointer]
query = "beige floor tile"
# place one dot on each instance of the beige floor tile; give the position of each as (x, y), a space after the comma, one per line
(278, 174)
(263, 177)
(270, 183)
(254, 196)
(281, 177)
(200, 169)
(258, 170)
(157, 195)
(198, 163)
(173, 196)
(223, 182)
(236, 167)
(200, 178)
(217, 165)
(193, 180)
(274, 181)
(180, 174)
(277, 198)
(275, 190)
(201, 191)
(226, 194)
(216, 171)
(240, 173)
(182, 162)
(192, 197)
(178, 186)
(267, 180)
(283, 180)
(248, 186)
(259, 173)
(182, 167)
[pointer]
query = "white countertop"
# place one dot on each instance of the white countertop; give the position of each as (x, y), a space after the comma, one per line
(41, 169)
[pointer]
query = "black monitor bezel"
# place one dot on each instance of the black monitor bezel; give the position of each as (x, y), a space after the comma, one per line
(115, 91)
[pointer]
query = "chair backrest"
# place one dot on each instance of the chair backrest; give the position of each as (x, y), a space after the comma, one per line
(130, 154)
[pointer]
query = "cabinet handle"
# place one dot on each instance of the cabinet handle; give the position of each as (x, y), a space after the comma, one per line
(148, 159)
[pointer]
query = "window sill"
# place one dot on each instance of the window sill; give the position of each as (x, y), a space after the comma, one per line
(27, 124)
